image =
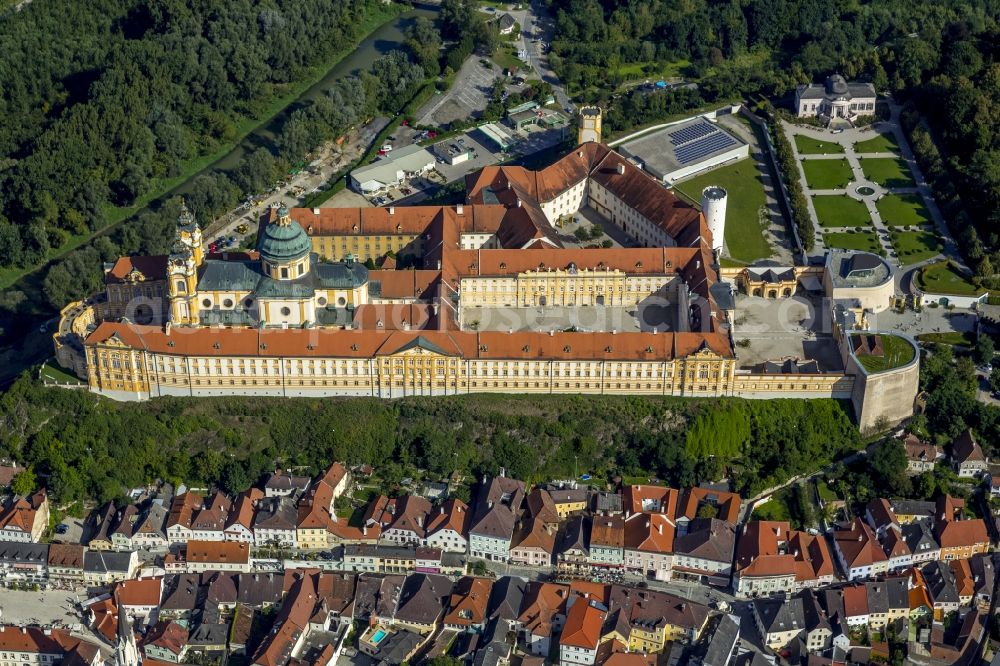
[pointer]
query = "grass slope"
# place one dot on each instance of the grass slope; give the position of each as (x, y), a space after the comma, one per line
(744, 235)
(944, 278)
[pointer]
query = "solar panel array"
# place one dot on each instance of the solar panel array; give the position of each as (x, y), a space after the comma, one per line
(696, 142)
(691, 132)
(696, 150)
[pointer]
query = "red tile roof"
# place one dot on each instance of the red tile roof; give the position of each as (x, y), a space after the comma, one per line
(138, 592)
(150, 267)
(583, 625)
(468, 601)
(855, 600)
(217, 552)
(859, 545)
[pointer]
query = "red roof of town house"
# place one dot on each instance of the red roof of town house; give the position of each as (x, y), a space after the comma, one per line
(542, 506)
(412, 513)
(965, 448)
(655, 499)
(36, 640)
(918, 591)
(535, 534)
(772, 548)
(378, 511)
(542, 603)
(167, 635)
(591, 590)
(649, 532)
(217, 552)
(692, 499)
(467, 604)
(961, 533)
(276, 648)
(138, 592)
(8, 472)
(314, 507)
(20, 513)
(452, 515)
(895, 545)
(608, 531)
(105, 618)
(964, 581)
(334, 474)
(182, 509)
(243, 508)
(882, 514)
(859, 545)
(66, 555)
(855, 601)
(919, 450)
(583, 625)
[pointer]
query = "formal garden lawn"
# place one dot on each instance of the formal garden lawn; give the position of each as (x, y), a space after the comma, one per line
(915, 246)
(887, 172)
(944, 278)
(745, 185)
(903, 210)
(883, 143)
(858, 240)
(827, 174)
(840, 211)
(896, 352)
(806, 145)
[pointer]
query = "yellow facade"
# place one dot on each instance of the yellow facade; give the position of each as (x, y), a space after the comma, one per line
(365, 247)
(416, 371)
(565, 509)
(312, 538)
(561, 288)
(650, 639)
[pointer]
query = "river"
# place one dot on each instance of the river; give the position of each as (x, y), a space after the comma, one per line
(386, 38)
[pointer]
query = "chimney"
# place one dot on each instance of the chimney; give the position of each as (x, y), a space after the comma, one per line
(441, 509)
(697, 264)
(392, 210)
(519, 202)
(460, 209)
(315, 211)
(439, 264)
(660, 528)
(621, 169)
(420, 521)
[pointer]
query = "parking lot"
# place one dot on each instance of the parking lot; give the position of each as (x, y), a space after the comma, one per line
(467, 97)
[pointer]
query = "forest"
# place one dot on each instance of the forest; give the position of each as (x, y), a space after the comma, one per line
(103, 99)
(87, 447)
(938, 57)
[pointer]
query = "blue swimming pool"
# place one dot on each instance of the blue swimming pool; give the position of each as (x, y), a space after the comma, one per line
(378, 636)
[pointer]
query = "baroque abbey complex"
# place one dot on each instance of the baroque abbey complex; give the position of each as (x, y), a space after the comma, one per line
(493, 295)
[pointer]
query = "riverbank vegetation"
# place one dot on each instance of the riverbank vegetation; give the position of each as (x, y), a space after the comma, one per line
(91, 448)
(108, 100)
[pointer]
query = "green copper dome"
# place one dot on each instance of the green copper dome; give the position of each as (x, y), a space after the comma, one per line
(284, 240)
